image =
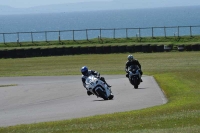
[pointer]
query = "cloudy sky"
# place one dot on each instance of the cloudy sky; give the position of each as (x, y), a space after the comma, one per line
(140, 3)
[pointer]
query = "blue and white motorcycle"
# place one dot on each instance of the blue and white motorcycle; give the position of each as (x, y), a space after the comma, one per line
(98, 87)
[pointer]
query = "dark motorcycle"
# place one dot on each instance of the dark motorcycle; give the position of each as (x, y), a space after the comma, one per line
(134, 75)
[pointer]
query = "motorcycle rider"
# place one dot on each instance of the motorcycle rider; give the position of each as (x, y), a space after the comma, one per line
(85, 73)
(132, 61)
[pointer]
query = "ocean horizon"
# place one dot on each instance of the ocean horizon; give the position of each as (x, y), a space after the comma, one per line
(113, 19)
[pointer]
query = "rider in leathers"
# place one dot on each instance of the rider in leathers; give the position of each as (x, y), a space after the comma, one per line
(85, 73)
(132, 61)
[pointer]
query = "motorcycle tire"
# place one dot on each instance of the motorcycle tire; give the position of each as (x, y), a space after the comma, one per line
(101, 94)
(136, 86)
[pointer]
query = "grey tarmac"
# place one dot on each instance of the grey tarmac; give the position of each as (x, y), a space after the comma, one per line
(51, 98)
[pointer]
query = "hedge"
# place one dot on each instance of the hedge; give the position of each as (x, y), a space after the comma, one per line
(57, 51)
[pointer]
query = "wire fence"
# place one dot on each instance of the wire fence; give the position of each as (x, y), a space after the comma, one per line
(88, 34)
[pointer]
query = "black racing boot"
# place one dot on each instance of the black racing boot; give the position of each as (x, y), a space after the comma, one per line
(103, 79)
(89, 93)
(108, 85)
(141, 80)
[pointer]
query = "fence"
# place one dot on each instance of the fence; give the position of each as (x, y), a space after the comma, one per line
(87, 34)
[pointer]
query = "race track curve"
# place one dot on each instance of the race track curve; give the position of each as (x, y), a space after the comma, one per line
(43, 98)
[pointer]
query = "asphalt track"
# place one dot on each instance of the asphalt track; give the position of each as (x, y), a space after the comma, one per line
(41, 99)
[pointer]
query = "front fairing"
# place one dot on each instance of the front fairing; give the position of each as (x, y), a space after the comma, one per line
(136, 74)
(93, 83)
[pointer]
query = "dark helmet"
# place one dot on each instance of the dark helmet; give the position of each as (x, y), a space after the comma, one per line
(84, 70)
(130, 58)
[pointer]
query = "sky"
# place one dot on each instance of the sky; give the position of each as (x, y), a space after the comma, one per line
(156, 3)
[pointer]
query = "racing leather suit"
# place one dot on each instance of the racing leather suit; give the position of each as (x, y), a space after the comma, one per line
(92, 72)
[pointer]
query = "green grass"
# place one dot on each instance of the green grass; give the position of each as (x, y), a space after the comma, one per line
(177, 73)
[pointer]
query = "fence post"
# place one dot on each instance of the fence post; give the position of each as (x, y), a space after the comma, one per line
(73, 34)
(86, 34)
(178, 31)
(165, 31)
(4, 38)
(139, 32)
(32, 37)
(136, 36)
(59, 36)
(152, 32)
(17, 37)
(100, 33)
(126, 33)
(114, 33)
(190, 31)
(45, 35)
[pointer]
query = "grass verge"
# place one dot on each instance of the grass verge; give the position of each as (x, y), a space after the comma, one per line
(177, 73)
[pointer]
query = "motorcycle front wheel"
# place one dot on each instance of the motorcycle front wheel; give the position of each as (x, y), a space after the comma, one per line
(102, 94)
(135, 83)
(136, 86)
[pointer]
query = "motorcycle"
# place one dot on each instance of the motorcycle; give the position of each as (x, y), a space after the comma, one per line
(98, 87)
(134, 75)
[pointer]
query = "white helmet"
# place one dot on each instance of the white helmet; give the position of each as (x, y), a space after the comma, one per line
(130, 58)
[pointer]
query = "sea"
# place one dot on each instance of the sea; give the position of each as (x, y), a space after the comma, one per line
(109, 23)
